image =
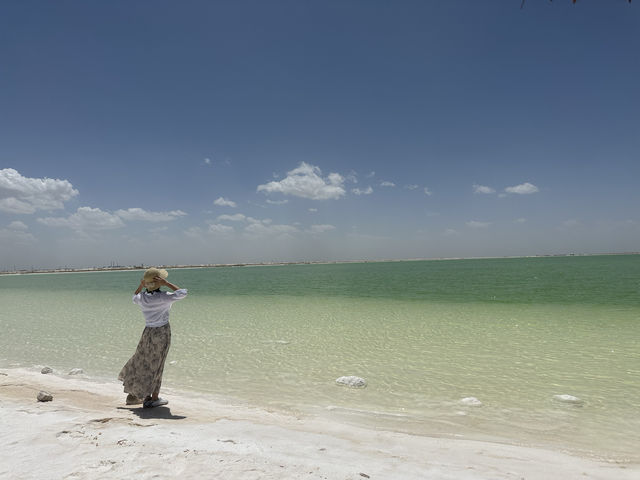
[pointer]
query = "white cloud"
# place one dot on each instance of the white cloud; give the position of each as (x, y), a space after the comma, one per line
(216, 161)
(238, 217)
(277, 202)
(224, 202)
(263, 230)
(483, 189)
(366, 191)
(520, 220)
(476, 224)
(371, 174)
(306, 182)
(20, 194)
(193, 232)
(85, 218)
(139, 214)
(18, 225)
(352, 177)
(522, 189)
(201, 234)
(219, 228)
(387, 184)
(313, 210)
(411, 187)
(427, 191)
(16, 234)
(334, 178)
(320, 228)
(449, 232)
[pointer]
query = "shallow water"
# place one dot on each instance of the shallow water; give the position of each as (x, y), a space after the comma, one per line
(510, 332)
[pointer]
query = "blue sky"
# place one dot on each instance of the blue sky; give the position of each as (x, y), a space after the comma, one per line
(162, 132)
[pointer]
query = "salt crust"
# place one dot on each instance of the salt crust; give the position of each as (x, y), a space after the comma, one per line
(87, 432)
(568, 399)
(352, 381)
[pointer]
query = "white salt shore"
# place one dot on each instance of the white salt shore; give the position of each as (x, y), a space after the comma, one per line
(87, 432)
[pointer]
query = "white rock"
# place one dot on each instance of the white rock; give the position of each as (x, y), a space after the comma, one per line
(46, 370)
(471, 401)
(568, 399)
(44, 396)
(173, 362)
(76, 371)
(352, 381)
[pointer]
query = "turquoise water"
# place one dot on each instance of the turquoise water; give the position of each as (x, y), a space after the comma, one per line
(510, 332)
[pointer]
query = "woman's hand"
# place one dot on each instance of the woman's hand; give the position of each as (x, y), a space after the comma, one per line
(165, 283)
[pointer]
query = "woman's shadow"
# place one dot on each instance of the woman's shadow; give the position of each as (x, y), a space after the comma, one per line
(156, 412)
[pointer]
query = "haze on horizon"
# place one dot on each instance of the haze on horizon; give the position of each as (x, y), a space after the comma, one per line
(245, 132)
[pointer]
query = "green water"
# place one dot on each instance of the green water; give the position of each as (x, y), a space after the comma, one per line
(511, 332)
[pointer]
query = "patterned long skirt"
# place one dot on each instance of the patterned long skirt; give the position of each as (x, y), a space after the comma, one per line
(142, 374)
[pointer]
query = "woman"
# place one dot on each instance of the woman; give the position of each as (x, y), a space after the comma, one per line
(142, 374)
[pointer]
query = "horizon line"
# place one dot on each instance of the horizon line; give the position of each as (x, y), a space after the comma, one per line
(142, 266)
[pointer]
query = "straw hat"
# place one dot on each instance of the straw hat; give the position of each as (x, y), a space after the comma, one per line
(149, 276)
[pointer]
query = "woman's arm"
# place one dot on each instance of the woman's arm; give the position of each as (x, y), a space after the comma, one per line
(164, 282)
(140, 287)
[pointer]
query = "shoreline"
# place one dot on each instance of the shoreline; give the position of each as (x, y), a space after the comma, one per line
(88, 432)
(121, 268)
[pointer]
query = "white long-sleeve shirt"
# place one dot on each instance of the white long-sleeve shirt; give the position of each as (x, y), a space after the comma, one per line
(155, 306)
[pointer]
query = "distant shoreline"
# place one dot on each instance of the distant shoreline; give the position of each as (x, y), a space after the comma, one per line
(118, 268)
